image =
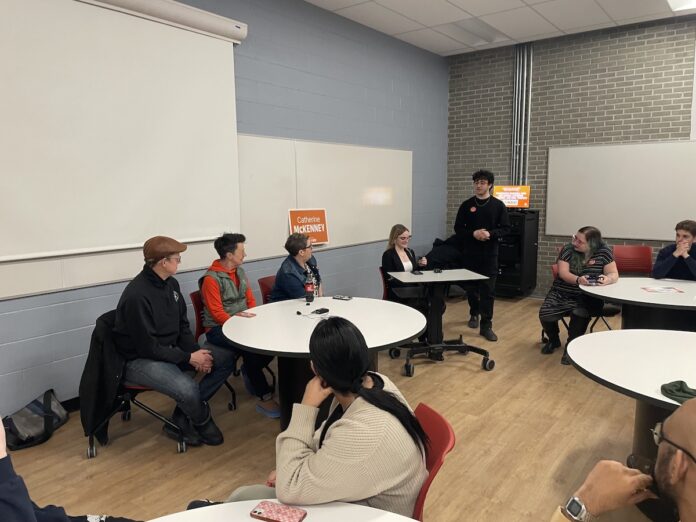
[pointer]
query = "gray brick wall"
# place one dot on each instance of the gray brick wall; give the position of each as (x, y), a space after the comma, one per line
(628, 84)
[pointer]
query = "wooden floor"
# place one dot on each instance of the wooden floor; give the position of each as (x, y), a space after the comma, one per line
(527, 433)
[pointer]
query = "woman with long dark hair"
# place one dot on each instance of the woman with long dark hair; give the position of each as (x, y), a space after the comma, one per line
(371, 450)
(586, 260)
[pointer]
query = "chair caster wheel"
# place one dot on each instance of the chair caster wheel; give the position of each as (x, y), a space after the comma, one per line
(487, 364)
(394, 353)
(126, 415)
(409, 370)
(91, 452)
(231, 406)
(181, 447)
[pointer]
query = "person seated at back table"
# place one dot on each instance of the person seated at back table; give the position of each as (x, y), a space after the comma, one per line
(293, 271)
(677, 261)
(225, 292)
(371, 449)
(398, 257)
(585, 260)
(152, 333)
(17, 506)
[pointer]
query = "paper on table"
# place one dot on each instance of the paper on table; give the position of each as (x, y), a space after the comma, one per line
(663, 289)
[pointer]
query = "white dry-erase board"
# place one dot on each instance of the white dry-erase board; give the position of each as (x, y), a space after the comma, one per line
(629, 191)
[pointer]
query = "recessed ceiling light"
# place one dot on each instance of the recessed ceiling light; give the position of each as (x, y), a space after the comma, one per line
(681, 5)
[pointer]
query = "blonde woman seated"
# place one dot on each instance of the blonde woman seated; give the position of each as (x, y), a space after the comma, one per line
(398, 257)
(371, 449)
(586, 260)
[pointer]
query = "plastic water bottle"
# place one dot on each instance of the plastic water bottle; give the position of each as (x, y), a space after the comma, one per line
(309, 287)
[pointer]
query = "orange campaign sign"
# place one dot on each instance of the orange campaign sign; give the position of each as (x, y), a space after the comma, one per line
(310, 221)
(514, 196)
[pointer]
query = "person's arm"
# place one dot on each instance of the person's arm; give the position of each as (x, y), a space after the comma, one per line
(610, 274)
(611, 485)
(15, 504)
(566, 275)
(389, 262)
(139, 321)
(502, 223)
(289, 285)
(664, 263)
(461, 225)
(212, 300)
(691, 262)
(185, 342)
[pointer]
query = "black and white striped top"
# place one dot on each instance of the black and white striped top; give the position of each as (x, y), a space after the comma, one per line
(593, 267)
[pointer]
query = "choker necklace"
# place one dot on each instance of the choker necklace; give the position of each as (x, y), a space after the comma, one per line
(476, 200)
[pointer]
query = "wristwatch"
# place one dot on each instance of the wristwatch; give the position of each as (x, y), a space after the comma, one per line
(575, 510)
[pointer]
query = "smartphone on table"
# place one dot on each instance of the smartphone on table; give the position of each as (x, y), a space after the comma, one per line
(275, 512)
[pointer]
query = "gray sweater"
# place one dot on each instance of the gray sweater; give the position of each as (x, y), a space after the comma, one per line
(367, 457)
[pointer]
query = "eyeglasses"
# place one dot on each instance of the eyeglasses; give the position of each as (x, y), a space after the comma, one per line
(309, 247)
(172, 258)
(405, 238)
(658, 437)
(576, 239)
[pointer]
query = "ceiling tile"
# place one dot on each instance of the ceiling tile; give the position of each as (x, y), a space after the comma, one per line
(467, 37)
(379, 18)
(427, 12)
(570, 14)
(630, 9)
(430, 40)
(534, 2)
(520, 24)
(332, 5)
(482, 7)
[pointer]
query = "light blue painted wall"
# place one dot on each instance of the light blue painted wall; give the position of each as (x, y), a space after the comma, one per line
(301, 73)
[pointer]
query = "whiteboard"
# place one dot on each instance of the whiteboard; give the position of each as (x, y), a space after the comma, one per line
(628, 191)
(114, 128)
(365, 190)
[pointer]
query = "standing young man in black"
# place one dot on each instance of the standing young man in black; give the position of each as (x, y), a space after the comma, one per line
(481, 221)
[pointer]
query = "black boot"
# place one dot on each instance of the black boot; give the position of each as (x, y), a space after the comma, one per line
(565, 359)
(208, 430)
(551, 346)
(191, 436)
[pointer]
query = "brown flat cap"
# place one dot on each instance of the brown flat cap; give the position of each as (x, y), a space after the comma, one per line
(159, 247)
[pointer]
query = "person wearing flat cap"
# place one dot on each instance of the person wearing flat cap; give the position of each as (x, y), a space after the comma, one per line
(152, 333)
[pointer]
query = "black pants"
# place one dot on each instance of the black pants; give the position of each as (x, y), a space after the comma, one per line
(254, 363)
(481, 296)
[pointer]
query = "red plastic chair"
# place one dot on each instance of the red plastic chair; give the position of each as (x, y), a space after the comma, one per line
(633, 259)
(442, 440)
(265, 286)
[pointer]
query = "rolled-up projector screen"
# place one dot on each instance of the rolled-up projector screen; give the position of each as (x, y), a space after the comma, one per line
(114, 128)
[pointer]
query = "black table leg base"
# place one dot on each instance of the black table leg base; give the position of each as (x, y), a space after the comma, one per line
(436, 352)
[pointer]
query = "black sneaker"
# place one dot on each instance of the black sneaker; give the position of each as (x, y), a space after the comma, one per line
(191, 436)
(565, 359)
(488, 334)
(195, 504)
(550, 346)
(473, 321)
(209, 432)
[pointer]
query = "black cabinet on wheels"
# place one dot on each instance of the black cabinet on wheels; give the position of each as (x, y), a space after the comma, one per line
(518, 254)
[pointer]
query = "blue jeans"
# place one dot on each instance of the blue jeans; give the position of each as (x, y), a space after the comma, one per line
(171, 380)
(254, 363)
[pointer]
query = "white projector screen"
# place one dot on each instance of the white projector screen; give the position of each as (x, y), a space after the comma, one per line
(630, 191)
(115, 128)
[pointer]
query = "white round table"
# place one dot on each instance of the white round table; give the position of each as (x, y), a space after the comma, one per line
(331, 512)
(636, 363)
(278, 329)
(668, 304)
